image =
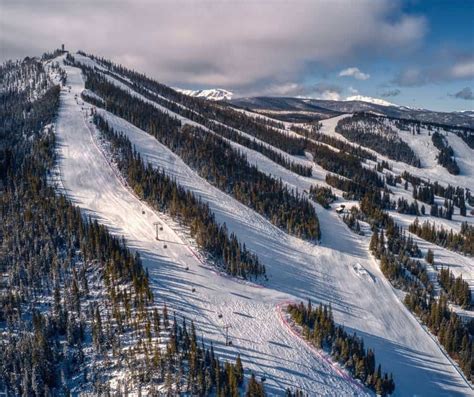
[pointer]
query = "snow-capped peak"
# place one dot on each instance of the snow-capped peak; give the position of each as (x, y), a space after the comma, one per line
(213, 94)
(376, 101)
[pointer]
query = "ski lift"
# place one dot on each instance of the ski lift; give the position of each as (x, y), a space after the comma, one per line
(165, 246)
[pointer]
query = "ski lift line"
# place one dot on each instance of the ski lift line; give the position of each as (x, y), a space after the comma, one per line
(127, 188)
(119, 177)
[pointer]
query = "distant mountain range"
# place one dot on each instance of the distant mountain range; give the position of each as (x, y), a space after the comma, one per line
(306, 109)
(295, 109)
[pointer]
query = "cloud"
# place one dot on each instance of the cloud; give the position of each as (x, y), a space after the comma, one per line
(326, 91)
(353, 90)
(329, 95)
(466, 93)
(230, 44)
(318, 91)
(454, 69)
(391, 93)
(354, 72)
(463, 70)
(411, 77)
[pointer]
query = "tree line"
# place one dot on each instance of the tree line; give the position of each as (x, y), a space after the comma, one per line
(462, 242)
(455, 288)
(395, 252)
(446, 153)
(320, 329)
(215, 160)
(373, 132)
(166, 195)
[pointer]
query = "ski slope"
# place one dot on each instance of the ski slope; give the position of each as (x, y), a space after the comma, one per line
(297, 270)
(423, 147)
(430, 170)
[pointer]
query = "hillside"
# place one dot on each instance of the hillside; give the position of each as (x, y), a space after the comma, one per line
(226, 217)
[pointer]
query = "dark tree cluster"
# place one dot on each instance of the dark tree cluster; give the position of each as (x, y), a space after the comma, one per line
(460, 242)
(456, 289)
(426, 192)
(440, 212)
(467, 135)
(351, 189)
(449, 328)
(215, 160)
(315, 135)
(351, 219)
(372, 205)
(163, 193)
(320, 329)
(383, 164)
(400, 269)
(345, 165)
(294, 393)
(390, 179)
(446, 153)
(51, 55)
(323, 195)
(373, 132)
(403, 207)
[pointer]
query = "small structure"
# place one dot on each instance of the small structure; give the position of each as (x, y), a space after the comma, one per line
(227, 341)
(158, 228)
(340, 209)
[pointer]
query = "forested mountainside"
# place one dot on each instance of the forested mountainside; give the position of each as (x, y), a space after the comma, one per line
(77, 314)
(155, 243)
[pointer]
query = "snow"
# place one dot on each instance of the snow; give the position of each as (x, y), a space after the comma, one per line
(214, 94)
(464, 156)
(368, 99)
(297, 270)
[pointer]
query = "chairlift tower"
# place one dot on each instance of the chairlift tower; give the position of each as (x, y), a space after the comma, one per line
(226, 327)
(158, 228)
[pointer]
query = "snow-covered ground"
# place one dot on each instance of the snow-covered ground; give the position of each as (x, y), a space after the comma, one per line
(423, 147)
(430, 171)
(339, 271)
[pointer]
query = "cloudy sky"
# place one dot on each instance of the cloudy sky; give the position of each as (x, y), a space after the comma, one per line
(413, 52)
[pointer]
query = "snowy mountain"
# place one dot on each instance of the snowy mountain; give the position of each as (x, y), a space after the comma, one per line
(221, 219)
(214, 94)
(368, 99)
